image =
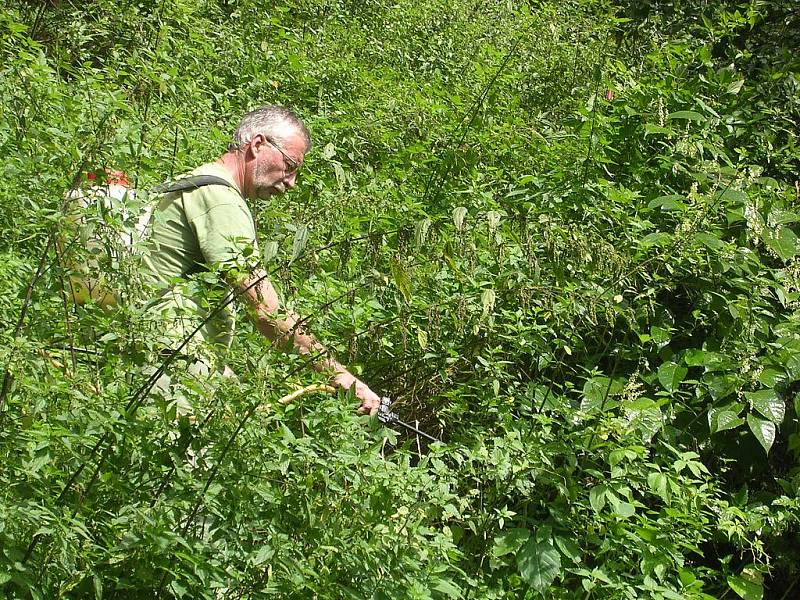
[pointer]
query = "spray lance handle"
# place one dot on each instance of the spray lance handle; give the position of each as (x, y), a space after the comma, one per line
(388, 417)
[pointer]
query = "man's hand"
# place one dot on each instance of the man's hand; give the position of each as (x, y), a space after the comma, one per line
(370, 401)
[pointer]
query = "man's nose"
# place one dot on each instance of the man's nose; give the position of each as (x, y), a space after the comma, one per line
(290, 180)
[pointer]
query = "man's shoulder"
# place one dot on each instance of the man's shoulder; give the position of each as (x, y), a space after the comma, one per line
(209, 175)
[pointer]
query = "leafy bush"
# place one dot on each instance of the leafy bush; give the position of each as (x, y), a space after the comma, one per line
(562, 238)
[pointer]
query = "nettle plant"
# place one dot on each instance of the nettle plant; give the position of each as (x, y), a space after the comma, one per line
(586, 285)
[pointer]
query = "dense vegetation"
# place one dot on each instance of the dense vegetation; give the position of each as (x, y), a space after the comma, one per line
(563, 236)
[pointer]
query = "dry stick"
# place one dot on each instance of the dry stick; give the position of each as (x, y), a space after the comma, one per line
(314, 387)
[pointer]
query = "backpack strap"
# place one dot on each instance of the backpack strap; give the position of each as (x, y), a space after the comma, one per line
(188, 184)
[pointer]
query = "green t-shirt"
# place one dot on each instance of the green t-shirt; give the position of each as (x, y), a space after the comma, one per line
(195, 237)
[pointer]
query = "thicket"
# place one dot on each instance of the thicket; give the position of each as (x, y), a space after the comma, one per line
(562, 236)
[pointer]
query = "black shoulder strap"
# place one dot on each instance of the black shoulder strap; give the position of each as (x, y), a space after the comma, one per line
(187, 184)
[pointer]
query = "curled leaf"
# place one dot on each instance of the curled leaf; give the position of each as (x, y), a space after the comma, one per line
(458, 217)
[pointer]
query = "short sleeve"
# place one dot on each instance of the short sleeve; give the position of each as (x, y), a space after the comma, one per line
(223, 225)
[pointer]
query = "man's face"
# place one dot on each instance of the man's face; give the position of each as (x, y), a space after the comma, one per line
(275, 164)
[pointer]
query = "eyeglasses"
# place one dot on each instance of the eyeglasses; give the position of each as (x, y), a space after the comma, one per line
(290, 165)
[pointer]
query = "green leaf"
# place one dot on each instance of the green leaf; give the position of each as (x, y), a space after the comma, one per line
(782, 241)
(263, 555)
(659, 484)
(329, 151)
(769, 404)
(712, 361)
(597, 497)
(655, 239)
(737, 196)
(401, 278)
(725, 420)
(98, 586)
(651, 128)
(448, 588)
(270, 251)
(668, 202)
(624, 509)
(670, 375)
(422, 338)
(458, 216)
(763, 430)
(488, 298)
(300, 239)
(510, 541)
(539, 563)
(598, 391)
(734, 87)
(569, 549)
(421, 229)
(749, 590)
(711, 242)
(689, 115)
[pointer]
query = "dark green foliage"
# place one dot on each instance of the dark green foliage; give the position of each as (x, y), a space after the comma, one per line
(563, 237)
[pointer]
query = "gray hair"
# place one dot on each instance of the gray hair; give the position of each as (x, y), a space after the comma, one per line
(275, 122)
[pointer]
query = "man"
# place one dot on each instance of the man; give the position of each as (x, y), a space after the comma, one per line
(211, 229)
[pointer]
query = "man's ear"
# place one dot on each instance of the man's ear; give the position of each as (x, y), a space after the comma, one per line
(256, 144)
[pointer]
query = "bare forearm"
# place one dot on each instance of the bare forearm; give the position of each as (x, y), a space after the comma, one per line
(288, 334)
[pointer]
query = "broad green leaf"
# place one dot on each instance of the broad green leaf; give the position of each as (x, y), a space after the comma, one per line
(422, 338)
(597, 497)
(263, 555)
(668, 202)
(510, 541)
(329, 151)
(270, 251)
(749, 590)
(711, 242)
(300, 239)
(448, 588)
(598, 393)
(771, 377)
(763, 430)
(655, 239)
(769, 404)
(689, 115)
(539, 563)
(726, 419)
(735, 86)
(569, 549)
(338, 170)
(659, 484)
(712, 361)
(493, 218)
(458, 216)
(401, 278)
(651, 128)
(782, 241)
(670, 375)
(624, 509)
(734, 195)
